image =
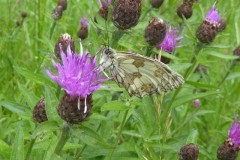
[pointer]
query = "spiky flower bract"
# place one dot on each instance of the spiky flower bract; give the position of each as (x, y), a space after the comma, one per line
(213, 15)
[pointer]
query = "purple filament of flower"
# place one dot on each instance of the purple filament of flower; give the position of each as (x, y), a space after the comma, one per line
(169, 42)
(234, 133)
(213, 15)
(77, 74)
(83, 22)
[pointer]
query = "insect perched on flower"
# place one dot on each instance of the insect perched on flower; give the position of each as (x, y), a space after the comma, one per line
(140, 76)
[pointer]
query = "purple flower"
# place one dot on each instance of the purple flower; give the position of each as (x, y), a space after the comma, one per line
(234, 133)
(77, 74)
(169, 42)
(83, 22)
(213, 15)
(103, 4)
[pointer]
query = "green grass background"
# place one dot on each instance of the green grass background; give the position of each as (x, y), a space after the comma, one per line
(124, 127)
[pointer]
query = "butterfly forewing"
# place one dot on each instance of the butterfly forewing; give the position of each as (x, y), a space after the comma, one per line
(140, 76)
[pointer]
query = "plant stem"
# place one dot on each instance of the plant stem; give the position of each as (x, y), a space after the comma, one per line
(187, 74)
(117, 35)
(52, 29)
(119, 133)
(228, 72)
(63, 138)
(30, 148)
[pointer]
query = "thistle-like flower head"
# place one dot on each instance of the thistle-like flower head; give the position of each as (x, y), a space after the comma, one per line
(77, 74)
(170, 41)
(213, 16)
(234, 133)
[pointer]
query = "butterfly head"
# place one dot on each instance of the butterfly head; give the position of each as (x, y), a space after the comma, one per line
(107, 56)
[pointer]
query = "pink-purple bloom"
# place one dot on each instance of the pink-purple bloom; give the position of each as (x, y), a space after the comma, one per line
(170, 41)
(103, 4)
(234, 133)
(77, 74)
(83, 22)
(213, 15)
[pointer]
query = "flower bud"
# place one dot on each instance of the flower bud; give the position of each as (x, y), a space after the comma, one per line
(189, 152)
(39, 113)
(227, 151)
(63, 41)
(156, 3)
(126, 13)
(196, 103)
(236, 52)
(184, 11)
(62, 3)
(75, 110)
(155, 31)
(57, 13)
(83, 31)
(23, 15)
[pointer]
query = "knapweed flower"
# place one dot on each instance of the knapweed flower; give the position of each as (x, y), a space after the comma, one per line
(103, 11)
(229, 149)
(189, 152)
(79, 78)
(62, 3)
(155, 31)
(208, 30)
(126, 13)
(234, 134)
(170, 41)
(57, 13)
(83, 31)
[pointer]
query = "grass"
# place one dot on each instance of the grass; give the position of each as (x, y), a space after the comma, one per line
(127, 127)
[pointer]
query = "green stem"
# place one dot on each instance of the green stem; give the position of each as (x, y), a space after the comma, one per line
(228, 72)
(186, 76)
(149, 50)
(52, 29)
(30, 148)
(119, 133)
(63, 138)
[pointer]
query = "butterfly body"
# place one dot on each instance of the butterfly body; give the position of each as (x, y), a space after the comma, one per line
(140, 76)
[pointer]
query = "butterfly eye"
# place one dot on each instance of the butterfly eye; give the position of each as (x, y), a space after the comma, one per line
(108, 51)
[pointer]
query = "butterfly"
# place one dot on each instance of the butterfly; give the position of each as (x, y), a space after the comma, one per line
(141, 76)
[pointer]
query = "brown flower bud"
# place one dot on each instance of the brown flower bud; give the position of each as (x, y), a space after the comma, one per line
(196, 103)
(23, 15)
(236, 51)
(103, 12)
(62, 3)
(207, 32)
(156, 3)
(57, 13)
(39, 113)
(63, 41)
(189, 152)
(184, 11)
(83, 31)
(75, 110)
(126, 13)
(155, 31)
(226, 151)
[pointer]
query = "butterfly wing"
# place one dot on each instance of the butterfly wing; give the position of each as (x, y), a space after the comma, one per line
(142, 76)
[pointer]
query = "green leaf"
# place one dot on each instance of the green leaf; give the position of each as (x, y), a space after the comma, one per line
(5, 149)
(18, 145)
(179, 67)
(47, 126)
(220, 55)
(16, 108)
(114, 106)
(188, 98)
(192, 137)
